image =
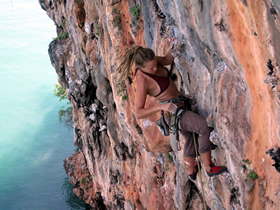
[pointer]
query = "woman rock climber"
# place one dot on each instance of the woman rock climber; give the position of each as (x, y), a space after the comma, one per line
(152, 79)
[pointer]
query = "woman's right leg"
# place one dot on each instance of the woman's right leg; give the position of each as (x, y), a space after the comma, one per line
(189, 146)
(190, 161)
(193, 123)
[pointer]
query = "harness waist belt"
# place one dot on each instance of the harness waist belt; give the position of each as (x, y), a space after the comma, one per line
(175, 100)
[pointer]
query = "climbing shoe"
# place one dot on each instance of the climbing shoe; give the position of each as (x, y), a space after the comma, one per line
(216, 170)
(194, 174)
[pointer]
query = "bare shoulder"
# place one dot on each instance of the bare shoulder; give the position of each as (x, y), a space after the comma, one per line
(140, 77)
(141, 91)
(141, 81)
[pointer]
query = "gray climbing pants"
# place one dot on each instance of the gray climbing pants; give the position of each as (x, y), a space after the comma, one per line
(193, 123)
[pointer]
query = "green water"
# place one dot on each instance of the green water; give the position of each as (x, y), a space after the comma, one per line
(33, 143)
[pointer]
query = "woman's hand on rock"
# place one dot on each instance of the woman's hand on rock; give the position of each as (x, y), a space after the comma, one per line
(171, 41)
(177, 46)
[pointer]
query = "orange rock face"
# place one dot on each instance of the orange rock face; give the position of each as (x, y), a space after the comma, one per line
(228, 60)
(247, 28)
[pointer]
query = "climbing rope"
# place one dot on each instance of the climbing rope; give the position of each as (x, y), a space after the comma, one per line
(199, 172)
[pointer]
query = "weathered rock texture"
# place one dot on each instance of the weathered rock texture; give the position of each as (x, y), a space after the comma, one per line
(229, 62)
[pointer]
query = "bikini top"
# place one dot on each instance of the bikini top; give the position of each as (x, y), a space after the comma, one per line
(163, 82)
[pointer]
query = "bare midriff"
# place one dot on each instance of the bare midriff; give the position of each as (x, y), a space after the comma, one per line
(170, 92)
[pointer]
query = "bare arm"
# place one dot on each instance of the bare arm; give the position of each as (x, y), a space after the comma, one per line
(165, 60)
(147, 112)
(141, 94)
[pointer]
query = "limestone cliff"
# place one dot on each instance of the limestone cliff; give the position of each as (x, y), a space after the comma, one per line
(229, 61)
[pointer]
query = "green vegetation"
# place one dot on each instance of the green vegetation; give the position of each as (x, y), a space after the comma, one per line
(65, 113)
(123, 93)
(252, 175)
(60, 92)
(135, 11)
(97, 30)
(125, 97)
(119, 92)
(246, 161)
(83, 180)
(63, 22)
(169, 157)
(168, 161)
(64, 35)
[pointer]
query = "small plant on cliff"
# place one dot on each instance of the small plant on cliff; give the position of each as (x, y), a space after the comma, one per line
(65, 113)
(97, 30)
(135, 11)
(60, 92)
(168, 161)
(124, 97)
(246, 162)
(63, 22)
(123, 93)
(83, 180)
(64, 35)
(252, 175)
(169, 157)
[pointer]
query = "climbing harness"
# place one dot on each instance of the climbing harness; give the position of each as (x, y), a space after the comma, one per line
(174, 126)
(199, 172)
(178, 99)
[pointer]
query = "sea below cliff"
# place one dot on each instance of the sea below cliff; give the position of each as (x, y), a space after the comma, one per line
(33, 143)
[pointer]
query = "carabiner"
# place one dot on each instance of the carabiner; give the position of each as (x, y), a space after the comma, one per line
(178, 146)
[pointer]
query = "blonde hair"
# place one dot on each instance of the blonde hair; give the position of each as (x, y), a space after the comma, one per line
(138, 55)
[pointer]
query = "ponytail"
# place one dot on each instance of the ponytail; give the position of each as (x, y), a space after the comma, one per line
(137, 55)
